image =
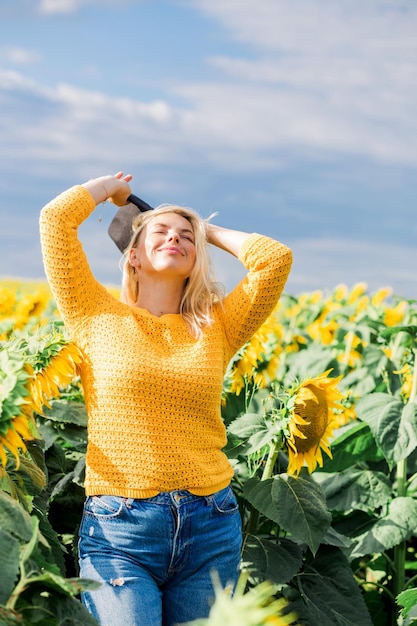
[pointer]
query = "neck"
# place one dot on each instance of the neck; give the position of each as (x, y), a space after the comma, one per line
(160, 297)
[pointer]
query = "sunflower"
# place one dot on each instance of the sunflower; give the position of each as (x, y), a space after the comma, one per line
(21, 429)
(395, 315)
(406, 373)
(323, 331)
(357, 293)
(31, 374)
(381, 295)
(16, 423)
(257, 361)
(312, 423)
(59, 372)
(256, 607)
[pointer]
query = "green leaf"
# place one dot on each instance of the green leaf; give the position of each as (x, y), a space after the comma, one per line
(35, 449)
(55, 554)
(67, 586)
(49, 434)
(356, 445)
(73, 437)
(277, 561)
(69, 412)
(359, 381)
(61, 485)
(389, 332)
(32, 477)
(312, 362)
(8, 617)
(408, 600)
(398, 525)
(9, 569)
(258, 493)
(14, 519)
(246, 425)
(331, 596)
(393, 424)
(54, 609)
(333, 538)
(412, 485)
(377, 605)
(79, 472)
(55, 460)
(253, 428)
(27, 550)
(356, 489)
(234, 447)
(297, 504)
(302, 509)
(354, 523)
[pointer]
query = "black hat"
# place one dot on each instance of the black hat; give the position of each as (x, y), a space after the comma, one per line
(120, 229)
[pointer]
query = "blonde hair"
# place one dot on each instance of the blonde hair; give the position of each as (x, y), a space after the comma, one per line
(201, 290)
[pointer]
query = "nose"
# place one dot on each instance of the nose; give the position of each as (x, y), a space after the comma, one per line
(173, 236)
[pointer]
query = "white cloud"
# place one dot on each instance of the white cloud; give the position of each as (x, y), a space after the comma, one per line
(317, 79)
(230, 127)
(238, 117)
(66, 124)
(58, 6)
(325, 263)
(65, 7)
(308, 81)
(18, 56)
(332, 76)
(313, 26)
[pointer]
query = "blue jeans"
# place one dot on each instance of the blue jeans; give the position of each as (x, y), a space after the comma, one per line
(155, 557)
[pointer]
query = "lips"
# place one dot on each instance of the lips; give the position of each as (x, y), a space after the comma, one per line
(171, 249)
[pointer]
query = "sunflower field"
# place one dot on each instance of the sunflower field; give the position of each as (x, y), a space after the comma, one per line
(321, 413)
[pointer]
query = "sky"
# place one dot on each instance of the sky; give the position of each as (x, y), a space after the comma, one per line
(296, 119)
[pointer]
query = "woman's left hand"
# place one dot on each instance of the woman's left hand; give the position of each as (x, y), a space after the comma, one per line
(115, 188)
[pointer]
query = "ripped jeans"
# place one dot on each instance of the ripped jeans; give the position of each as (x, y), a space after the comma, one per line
(155, 557)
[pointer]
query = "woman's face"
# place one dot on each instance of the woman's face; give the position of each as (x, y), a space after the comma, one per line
(166, 245)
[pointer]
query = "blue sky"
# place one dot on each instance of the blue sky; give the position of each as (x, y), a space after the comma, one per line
(294, 119)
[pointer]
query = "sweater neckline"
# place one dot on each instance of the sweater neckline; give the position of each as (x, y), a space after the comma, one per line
(163, 317)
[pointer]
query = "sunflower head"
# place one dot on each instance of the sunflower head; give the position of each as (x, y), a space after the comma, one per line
(314, 402)
(257, 606)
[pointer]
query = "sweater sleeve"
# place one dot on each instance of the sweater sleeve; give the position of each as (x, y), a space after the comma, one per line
(251, 302)
(72, 283)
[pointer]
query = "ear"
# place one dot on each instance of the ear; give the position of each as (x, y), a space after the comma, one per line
(134, 258)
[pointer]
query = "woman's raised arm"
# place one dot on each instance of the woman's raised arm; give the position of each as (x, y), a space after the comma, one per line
(225, 238)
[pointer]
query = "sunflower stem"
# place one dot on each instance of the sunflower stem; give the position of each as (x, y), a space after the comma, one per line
(400, 549)
(348, 348)
(413, 391)
(20, 587)
(241, 583)
(253, 522)
(274, 448)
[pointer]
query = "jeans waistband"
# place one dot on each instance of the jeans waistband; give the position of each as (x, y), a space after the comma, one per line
(178, 497)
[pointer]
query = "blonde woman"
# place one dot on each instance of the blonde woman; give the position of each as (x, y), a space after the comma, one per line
(159, 516)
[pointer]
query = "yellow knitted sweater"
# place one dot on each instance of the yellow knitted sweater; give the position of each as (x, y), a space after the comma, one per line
(152, 391)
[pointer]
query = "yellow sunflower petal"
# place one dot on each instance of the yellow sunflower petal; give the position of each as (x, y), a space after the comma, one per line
(3, 457)
(312, 425)
(22, 427)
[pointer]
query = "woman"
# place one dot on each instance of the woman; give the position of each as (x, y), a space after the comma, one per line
(159, 518)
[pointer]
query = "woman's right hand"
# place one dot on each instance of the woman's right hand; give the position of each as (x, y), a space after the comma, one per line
(115, 188)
